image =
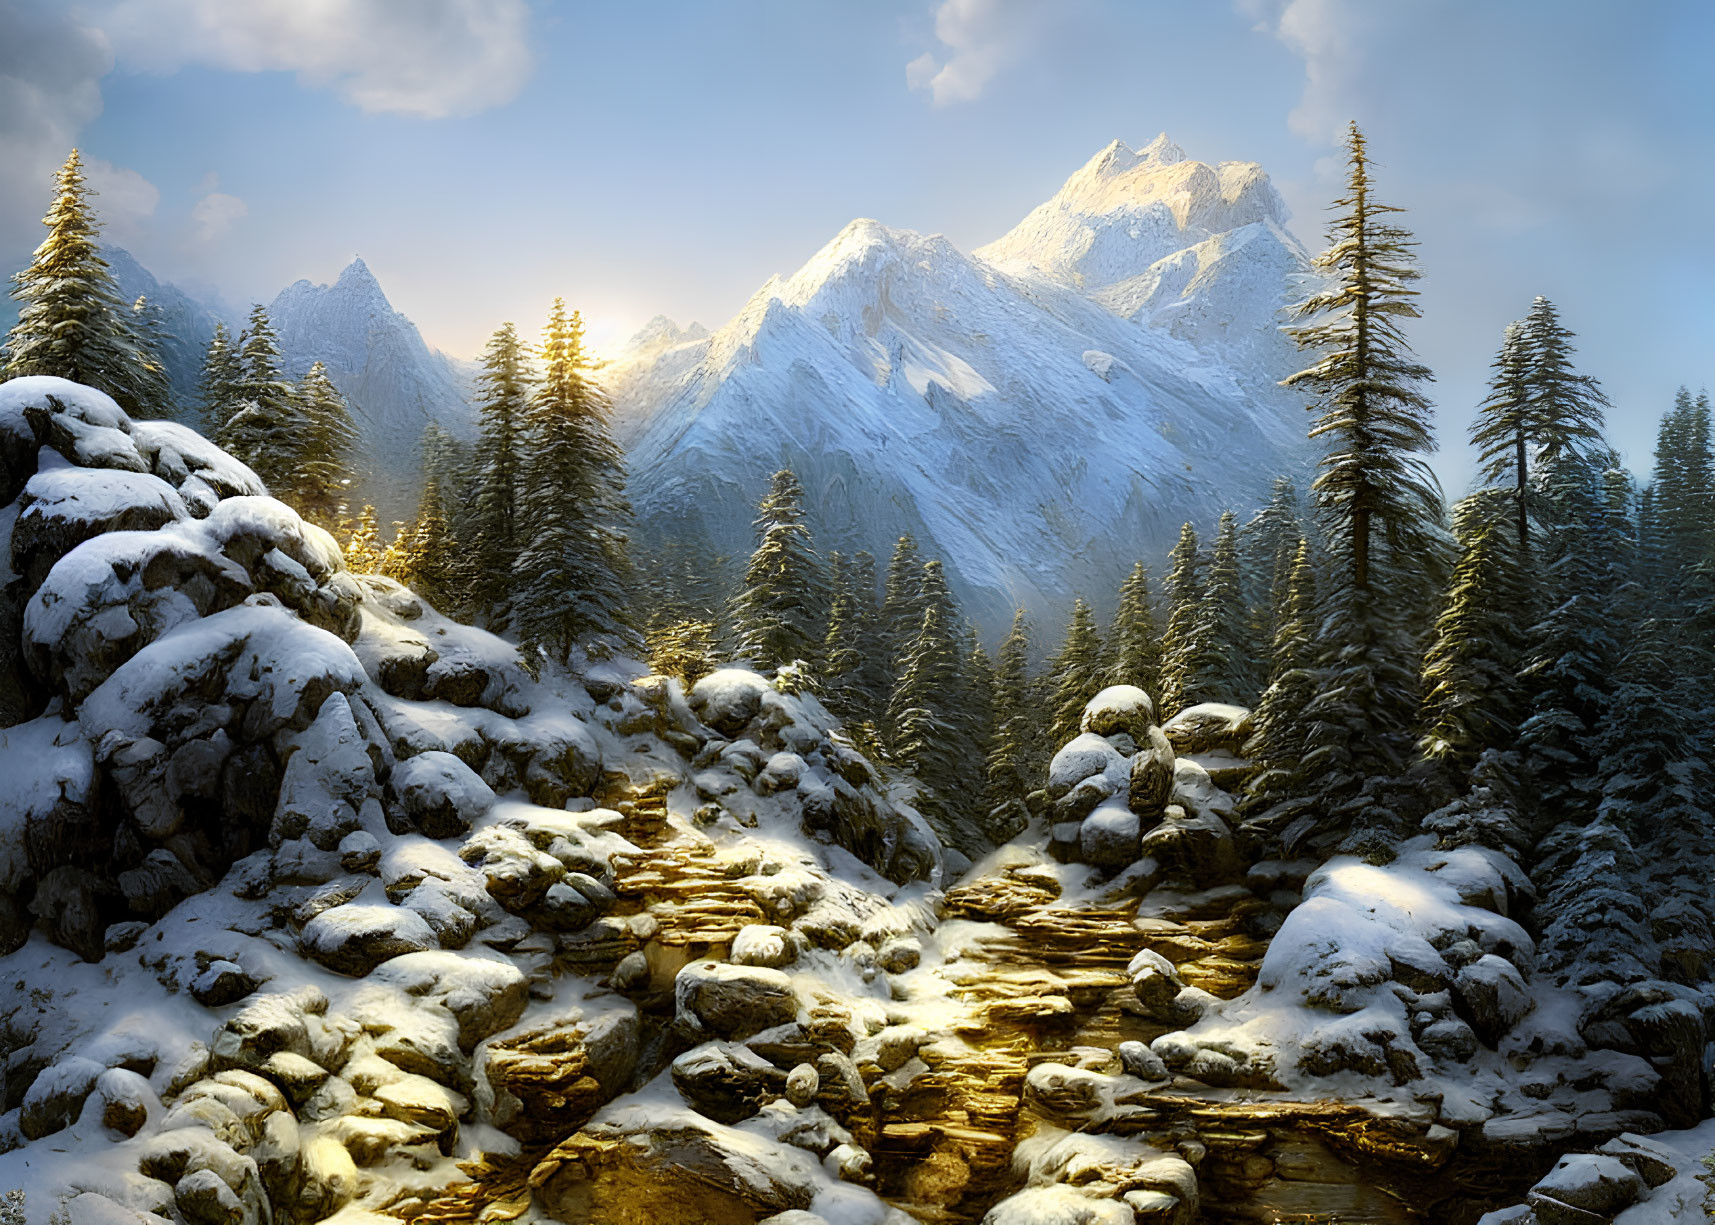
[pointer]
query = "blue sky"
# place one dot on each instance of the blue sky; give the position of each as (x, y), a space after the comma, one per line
(485, 155)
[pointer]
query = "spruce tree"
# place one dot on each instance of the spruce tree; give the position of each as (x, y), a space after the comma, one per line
(71, 320)
(901, 603)
(1684, 486)
(1472, 699)
(872, 682)
(924, 736)
(1380, 509)
(430, 562)
(1077, 674)
(572, 574)
(1184, 600)
(1268, 543)
(842, 645)
(1503, 429)
(1214, 659)
(321, 477)
(363, 547)
(221, 374)
(1566, 407)
(1015, 752)
(1135, 641)
(266, 427)
(779, 616)
(503, 399)
(1279, 744)
(153, 388)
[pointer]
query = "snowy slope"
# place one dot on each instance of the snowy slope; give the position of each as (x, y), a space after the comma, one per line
(187, 321)
(396, 384)
(1040, 413)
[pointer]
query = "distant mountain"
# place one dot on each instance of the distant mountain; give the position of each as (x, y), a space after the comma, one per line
(1039, 413)
(187, 321)
(395, 383)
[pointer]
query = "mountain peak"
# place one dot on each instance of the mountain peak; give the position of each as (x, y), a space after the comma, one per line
(357, 276)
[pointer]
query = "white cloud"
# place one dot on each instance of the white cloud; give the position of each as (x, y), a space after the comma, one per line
(50, 86)
(216, 213)
(427, 58)
(981, 38)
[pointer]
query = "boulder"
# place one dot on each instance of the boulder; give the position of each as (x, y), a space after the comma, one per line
(1086, 756)
(727, 1081)
(1151, 783)
(638, 1166)
(355, 938)
(728, 699)
(1209, 727)
(1119, 709)
(1492, 997)
(484, 994)
(55, 1098)
(1108, 838)
(762, 944)
(1595, 1184)
(438, 795)
(731, 1001)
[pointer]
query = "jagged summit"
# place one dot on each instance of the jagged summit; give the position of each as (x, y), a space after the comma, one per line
(1023, 429)
(660, 333)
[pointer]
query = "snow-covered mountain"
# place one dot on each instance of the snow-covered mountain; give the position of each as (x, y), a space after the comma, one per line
(1039, 413)
(395, 383)
(187, 322)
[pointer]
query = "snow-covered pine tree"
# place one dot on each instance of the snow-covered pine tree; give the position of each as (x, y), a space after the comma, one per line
(901, 602)
(1016, 750)
(363, 547)
(221, 375)
(572, 575)
(923, 714)
(1077, 673)
(1566, 407)
(975, 719)
(842, 647)
(1214, 662)
(1573, 648)
(71, 320)
(1502, 430)
(1472, 699)
(780, 613)
(1684, 486)
(1268, 543)
(154, 389)
(1278, 745)
(1184, 599)
(430, 552)
(321, 478)
(503, 399)
(266, 426)
(872, 683)
(1380, 508)
(1134, 643)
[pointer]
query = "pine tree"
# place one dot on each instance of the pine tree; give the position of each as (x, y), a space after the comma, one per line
(266, 426)
(221, 375)
(153, 389)
(1573, 647)
(684, 648)
(1015, 753)
(71, 321)
(1268, 543)
(1279, 744)
(503, 392)
(1184, 599)
(1684, 488)
(924, 736)
(1380, 509)
(1135, 641)
(1213, 661)
(901, 602)
(842, 645)
(430, 561)
(363, 546)
(1472, 699)
(1077, 674)
(872, 683)
(572, 575)
(321, 477)
(780, 614)
(1503, 429)
(1566, 407)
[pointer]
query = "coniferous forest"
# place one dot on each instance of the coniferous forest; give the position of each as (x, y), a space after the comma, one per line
(1347, 858)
